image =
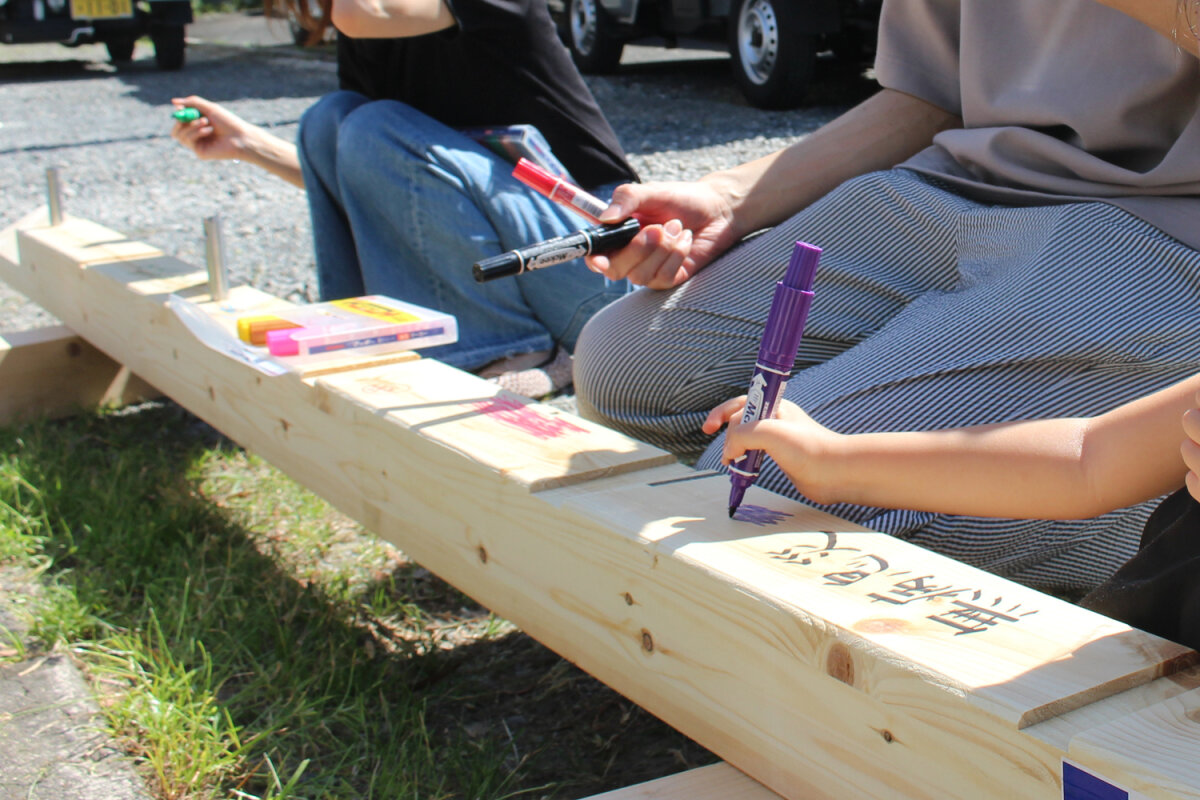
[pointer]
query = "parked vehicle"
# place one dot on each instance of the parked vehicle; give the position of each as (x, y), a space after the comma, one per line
(118, 24)
(774, 44)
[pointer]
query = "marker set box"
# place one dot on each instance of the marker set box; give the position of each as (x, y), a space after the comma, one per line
(514, 142)
(367, 325)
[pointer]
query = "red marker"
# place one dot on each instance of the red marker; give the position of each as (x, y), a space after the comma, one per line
(558, 190)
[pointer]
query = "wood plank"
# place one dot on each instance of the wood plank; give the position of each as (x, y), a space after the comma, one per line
(50, 372)
(642, 580)
(1151, 762)
(1020, 654)
(713, 782)
(536, 445)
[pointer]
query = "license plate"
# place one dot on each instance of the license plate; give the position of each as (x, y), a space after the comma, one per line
(101, 9)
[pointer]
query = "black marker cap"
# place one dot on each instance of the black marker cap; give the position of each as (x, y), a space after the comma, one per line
(500, 266)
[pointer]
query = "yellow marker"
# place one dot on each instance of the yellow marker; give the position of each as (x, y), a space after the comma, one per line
(254, 329)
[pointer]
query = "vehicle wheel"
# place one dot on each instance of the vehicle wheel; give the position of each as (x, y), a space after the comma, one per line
(119, 52)
(772, 61)
(169, 45)
(593, 46)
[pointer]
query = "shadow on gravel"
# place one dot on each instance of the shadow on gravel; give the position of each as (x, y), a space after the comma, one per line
(699, 105)
(220, 73)
(35, 71)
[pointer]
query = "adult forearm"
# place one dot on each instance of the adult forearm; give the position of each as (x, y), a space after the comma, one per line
(1175, 19)
(275, 155)
(876, 134)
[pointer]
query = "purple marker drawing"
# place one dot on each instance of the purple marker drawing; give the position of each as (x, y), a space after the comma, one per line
(776, 356)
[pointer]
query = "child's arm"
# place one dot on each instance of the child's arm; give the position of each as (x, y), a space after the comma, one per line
(1047, 469)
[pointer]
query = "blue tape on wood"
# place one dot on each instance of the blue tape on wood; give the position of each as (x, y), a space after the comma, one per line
(1079, 784)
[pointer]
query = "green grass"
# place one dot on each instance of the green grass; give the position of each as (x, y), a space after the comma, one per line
(247, 642)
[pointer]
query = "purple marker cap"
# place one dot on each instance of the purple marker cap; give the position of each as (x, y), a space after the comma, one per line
(802, 269)
(793, 295)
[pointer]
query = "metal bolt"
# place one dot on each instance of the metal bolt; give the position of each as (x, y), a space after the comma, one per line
(214, 254)
(54, 195)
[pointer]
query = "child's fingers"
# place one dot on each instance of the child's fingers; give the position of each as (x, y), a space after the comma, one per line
(740, 438)
(727, 412)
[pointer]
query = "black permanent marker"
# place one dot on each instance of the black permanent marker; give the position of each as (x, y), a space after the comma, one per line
(599, 239)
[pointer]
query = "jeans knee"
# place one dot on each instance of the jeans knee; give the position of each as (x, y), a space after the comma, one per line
(320, 124)
(369, 138)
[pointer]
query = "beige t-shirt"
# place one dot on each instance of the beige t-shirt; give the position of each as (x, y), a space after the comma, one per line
(1060, 99)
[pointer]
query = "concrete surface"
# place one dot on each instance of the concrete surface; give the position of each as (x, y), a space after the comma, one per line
(51, 745)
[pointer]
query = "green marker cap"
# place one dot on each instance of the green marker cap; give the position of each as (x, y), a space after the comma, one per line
(186, 114)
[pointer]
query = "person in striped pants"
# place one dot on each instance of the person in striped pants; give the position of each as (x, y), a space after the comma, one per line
(1011, 230)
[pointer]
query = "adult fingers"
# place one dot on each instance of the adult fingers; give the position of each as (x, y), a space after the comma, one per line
(662, 268)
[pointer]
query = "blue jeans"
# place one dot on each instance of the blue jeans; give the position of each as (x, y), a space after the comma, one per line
(403, 205)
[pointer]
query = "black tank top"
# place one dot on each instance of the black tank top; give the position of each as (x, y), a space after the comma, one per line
(503, 64)
(1158, 590)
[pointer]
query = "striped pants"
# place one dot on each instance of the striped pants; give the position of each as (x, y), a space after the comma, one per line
(931, 311)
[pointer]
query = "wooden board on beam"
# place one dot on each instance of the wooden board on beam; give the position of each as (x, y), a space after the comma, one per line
(632, 570)
(883, 603)
(536, 445)
(714, 782)
(51, 372)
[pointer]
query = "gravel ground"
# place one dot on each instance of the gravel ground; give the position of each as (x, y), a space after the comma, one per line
(107, 130)
(677, 112)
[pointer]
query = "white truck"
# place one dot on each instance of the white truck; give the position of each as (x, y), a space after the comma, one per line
(773, 43)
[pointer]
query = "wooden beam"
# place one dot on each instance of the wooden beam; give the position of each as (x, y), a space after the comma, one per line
(50, 372)
(714, 782)
(820, 659)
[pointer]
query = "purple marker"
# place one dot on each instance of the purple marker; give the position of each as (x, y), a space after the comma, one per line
(776, 355)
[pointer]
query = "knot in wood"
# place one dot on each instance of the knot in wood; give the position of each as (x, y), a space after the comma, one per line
(839, 663)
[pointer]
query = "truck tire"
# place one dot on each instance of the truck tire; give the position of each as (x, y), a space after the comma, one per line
(772, 60)
(120, 51)
(169, 45)
(594, 48)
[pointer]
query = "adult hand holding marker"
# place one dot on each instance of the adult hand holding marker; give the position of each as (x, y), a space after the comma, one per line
(669, 242)
(598, 239)
(685, 225)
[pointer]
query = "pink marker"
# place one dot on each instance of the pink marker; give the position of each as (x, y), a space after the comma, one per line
(558, 190)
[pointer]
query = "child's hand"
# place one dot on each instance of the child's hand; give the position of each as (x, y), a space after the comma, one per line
(793, 439)
(1191, 448)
